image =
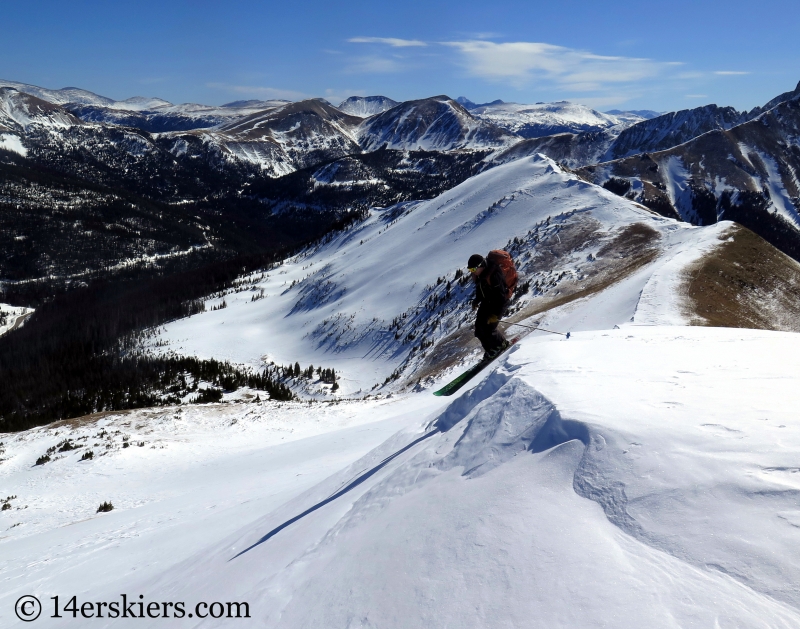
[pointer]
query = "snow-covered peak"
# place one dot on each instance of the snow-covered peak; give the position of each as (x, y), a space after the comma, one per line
(19, 111)
(431, 124)
(466, 103)
(256, 104)
(140, 103)
(673, 128)
(542, 119)
(634, 115)
(366, 106)
(62, 96)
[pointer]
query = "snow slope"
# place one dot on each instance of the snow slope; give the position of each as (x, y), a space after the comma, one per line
(365, 106)
(12, 317)
(554, 494)
(431, 124)
(542, 119)
(369, 301)
(285, 138)
(19, 112)
(644, 476)
(62, 96)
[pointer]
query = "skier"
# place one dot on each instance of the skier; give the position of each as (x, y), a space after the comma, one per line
(495, 279)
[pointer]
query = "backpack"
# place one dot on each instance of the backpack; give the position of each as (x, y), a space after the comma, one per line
(502, 260)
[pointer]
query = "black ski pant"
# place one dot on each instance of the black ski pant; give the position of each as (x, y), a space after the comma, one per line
(490, 337)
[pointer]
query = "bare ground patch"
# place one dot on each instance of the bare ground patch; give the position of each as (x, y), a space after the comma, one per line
(745, 283)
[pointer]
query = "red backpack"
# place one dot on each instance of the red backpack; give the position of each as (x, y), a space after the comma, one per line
(508, 271)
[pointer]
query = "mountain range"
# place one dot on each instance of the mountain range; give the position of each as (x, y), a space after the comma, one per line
(701, 164)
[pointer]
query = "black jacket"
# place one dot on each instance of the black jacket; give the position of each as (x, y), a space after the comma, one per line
(490, 289)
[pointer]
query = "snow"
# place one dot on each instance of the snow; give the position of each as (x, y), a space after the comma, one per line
(14, 317)
(677, 182)
(333, 305)
(641, 473)
(661, 301)
(59, 97)
(433, 124)
(635, 477)
(779, 198)
(365, 106)
(544, 119)
(9, 142)
(19, 110)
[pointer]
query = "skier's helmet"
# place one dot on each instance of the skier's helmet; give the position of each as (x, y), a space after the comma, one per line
(475, 260)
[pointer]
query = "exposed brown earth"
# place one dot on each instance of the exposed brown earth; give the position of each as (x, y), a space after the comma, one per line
(745, 283)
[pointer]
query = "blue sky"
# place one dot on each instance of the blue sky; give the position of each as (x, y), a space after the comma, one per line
(628, 55)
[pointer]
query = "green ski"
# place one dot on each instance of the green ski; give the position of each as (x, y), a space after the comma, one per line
(454, 385)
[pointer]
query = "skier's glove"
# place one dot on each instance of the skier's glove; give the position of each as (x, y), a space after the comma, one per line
(492, 320)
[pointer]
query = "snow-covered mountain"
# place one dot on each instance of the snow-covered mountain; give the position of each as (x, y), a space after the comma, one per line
(629, 136)
(746, 173)
(638, 132)
(168, 117)
(285, 138)
(146, 113)
(20, 112)
(673, 128)
(543, 119)
(625, 475)
(431, 124)
(62, 96)
(366, 106)
(467, 104)
(634, 115)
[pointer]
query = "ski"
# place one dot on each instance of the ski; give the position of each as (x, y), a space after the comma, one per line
(462, 379)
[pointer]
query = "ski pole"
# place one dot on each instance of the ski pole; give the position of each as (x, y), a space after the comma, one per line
(530, 327)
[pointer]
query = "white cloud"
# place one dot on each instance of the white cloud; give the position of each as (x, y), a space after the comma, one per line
(266, 93)
(525, 63)
(389, 41)
(730, 73)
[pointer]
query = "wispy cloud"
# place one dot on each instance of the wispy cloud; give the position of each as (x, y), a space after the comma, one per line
(730, 73)
(538, 68)
(257, 91)
(374, 64)
(389, 41)
(526, 63)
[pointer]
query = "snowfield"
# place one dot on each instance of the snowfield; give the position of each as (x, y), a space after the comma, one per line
(645, 476)
(641, 473)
